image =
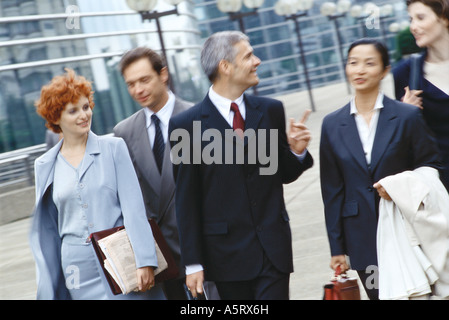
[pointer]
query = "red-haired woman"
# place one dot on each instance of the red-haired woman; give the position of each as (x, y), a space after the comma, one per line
(85, 183)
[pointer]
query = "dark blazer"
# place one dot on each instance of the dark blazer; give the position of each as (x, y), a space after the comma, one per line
(229, 215)
(435, 108)
(402, 142)
(158, 190)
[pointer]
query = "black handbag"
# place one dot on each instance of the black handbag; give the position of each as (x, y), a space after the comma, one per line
(414, 72)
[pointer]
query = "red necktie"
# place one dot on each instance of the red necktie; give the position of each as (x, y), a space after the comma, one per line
(238, 122)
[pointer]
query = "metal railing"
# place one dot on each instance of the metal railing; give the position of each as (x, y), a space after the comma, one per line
(17, 167)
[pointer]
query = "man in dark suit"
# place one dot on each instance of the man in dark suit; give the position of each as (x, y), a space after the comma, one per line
(233, 225)
(146, 75)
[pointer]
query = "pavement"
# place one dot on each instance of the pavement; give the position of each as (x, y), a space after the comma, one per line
(303, 201)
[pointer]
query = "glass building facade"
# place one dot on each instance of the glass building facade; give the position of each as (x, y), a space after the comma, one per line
(35, 46)
(275, 42)
(32, 51)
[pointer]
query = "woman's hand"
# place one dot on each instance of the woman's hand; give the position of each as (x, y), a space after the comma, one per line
(339, 260)
(381, 191)
(412, 97)
(145, 278)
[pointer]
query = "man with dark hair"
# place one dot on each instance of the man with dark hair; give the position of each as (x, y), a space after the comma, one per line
(145, 133)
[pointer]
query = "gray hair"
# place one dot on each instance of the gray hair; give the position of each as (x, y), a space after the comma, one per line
(219, 46)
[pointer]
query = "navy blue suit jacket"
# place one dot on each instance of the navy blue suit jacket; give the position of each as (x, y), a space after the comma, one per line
(229, 215)
(435, 108)
(402, 142)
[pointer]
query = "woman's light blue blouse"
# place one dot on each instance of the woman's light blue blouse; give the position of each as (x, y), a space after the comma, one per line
(72, 220)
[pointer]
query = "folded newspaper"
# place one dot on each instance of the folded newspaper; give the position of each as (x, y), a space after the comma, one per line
(121, 263)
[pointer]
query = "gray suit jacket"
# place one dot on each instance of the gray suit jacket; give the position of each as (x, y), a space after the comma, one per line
(158, 189)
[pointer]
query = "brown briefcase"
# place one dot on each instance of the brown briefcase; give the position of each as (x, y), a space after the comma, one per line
(341, 287)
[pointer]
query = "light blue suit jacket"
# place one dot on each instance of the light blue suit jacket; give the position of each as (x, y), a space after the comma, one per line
(113, 197)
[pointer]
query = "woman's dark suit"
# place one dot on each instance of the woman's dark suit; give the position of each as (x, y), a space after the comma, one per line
(435, 108)
(402, 142)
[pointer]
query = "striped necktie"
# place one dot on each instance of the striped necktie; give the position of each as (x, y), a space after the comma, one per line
(159, 145)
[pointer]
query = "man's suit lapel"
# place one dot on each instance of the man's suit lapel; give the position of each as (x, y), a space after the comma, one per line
(253, 116)
(167, 188)
(212, 118)
(144, 155)
(386, 128)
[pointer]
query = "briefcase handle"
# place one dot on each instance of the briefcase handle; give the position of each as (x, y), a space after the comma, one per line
(339, 274)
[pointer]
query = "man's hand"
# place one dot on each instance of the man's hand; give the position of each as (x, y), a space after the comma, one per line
(145, 278)
(298, 134)
(194, 283)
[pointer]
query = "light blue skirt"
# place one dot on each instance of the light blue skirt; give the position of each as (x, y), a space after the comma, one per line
(85, 279)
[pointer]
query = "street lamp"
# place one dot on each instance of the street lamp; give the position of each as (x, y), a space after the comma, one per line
(233, 7)
(292, 10)
(145, 9)
(359, 13)
(384, 12)
(372, 16)
(395, 27)
(334, 11)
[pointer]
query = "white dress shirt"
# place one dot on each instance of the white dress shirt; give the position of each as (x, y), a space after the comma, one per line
(164, 116)
(367, 132)
(223, 105)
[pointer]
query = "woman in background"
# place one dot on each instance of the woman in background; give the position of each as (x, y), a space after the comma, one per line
(429, 24)
(84, 184)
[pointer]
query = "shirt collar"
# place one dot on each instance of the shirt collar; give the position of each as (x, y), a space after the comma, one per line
(224, 104)
(378, 105)
(164, 114)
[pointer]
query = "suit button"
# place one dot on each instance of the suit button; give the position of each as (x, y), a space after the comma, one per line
(259, 229)
(370, 189)
(253, 203)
